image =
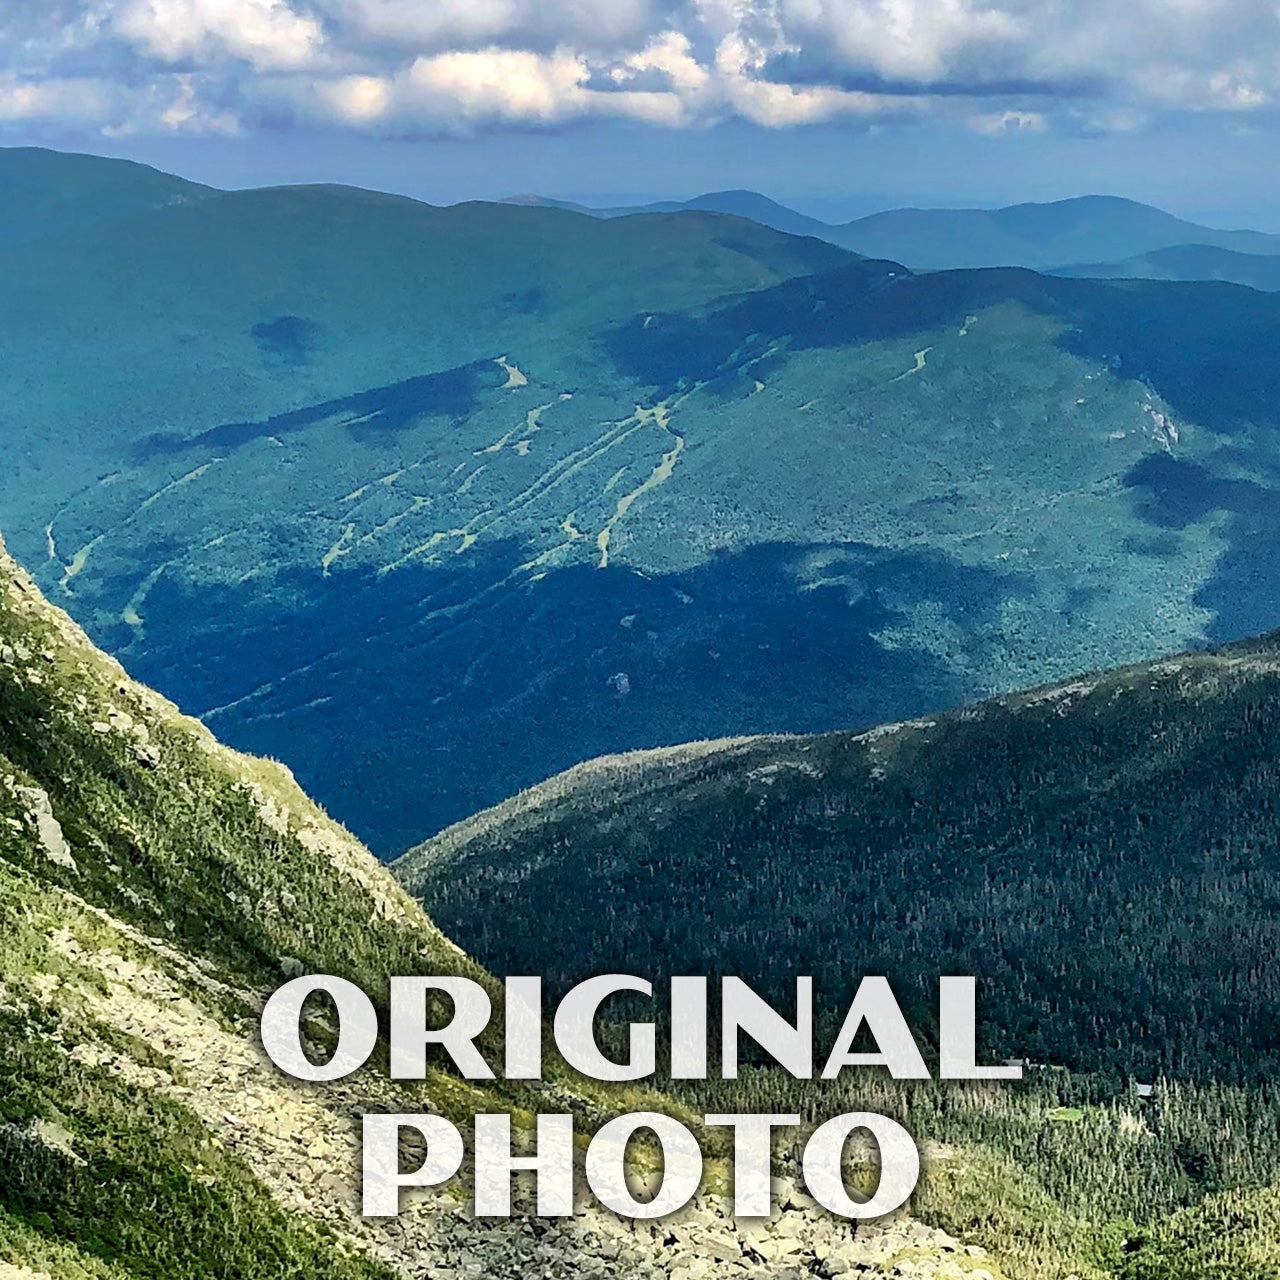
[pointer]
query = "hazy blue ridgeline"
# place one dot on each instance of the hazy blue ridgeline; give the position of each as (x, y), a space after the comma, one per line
(1101, 229)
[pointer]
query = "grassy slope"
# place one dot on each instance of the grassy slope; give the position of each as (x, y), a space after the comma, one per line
(180, 882)
(153, 887)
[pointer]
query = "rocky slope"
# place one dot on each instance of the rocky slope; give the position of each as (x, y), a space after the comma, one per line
(154, 886)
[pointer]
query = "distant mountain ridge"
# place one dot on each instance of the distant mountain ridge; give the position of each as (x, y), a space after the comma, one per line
(1082, 229)
(1186, 262)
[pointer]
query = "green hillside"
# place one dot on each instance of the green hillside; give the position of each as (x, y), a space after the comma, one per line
(153, 887)
(434, 503)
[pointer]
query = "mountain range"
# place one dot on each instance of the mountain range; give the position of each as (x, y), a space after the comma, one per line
(434, 503)
(1101, 229)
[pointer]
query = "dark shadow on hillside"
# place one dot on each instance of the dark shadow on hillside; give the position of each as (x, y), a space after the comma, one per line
(288, 340)
(410, 701)
(1244, 592)
(451, 394)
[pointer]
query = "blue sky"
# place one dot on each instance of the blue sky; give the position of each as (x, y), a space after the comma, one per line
(837, 106)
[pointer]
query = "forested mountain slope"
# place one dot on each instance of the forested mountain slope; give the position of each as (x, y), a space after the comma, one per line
(1103, 854)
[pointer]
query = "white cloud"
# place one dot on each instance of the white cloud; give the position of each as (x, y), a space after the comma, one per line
(433, 26)
(662, 83)
(356, 100)
(188, 112)
(739, 62)
(1001, 66)
(470, 89)
(72, 100)
(917, 40)
(267, 34)
(670, 54)
(499, 84)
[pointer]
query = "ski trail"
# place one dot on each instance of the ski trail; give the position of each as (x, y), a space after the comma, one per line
(920, 359)
(659, 415)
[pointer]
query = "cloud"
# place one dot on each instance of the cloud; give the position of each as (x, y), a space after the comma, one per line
(996, 123)
(435, 26)
(267, 34)
(453, 66)
(499, 84)
(470, 89)
(662, 83)
(73, 101)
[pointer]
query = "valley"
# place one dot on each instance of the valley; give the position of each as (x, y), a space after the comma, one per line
(638, 481)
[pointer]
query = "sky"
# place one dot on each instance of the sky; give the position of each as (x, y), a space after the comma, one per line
(838, 107)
